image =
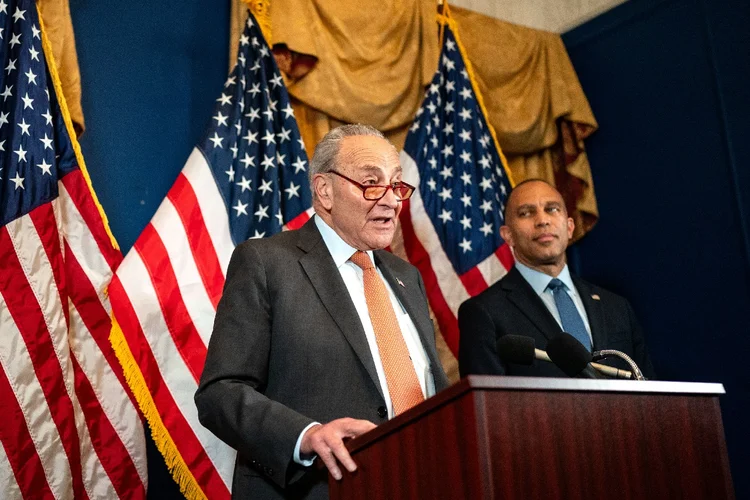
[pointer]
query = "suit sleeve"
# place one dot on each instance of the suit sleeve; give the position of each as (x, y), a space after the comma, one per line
(477, 347)
(230, 398)
(640, 354)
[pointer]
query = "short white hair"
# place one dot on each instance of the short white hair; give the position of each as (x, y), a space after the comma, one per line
(327, 150)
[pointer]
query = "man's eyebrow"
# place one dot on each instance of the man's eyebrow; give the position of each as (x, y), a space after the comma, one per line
(369, 169)
(526, 206)
(374, 169)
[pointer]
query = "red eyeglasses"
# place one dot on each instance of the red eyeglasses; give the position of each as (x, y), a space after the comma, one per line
(373, 192)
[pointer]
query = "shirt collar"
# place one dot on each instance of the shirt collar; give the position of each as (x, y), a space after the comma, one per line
(340, 250)
(539, 281)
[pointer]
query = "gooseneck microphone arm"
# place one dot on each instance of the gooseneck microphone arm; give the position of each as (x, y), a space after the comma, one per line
(605, 353)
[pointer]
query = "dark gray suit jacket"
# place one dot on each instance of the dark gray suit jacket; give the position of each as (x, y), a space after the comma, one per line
(287, 349)
(511, 306)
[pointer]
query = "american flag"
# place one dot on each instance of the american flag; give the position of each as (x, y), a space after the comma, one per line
(451, 224)
(246, 179)
(70, 428)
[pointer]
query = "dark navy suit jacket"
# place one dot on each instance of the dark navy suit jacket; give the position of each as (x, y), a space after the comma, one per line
(512, 307)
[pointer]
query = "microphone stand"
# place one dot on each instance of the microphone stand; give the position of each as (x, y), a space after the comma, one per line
(605, 353)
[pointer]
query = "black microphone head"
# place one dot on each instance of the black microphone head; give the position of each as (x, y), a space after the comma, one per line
(568, 354)
(516, 349)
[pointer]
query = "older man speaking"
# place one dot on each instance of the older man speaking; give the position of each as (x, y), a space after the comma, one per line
(320, 333)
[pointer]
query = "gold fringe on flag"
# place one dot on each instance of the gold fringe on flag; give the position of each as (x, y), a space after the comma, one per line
(180, 471)
(57, 83)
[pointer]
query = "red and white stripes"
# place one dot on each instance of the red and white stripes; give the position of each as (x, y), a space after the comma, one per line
(165, 296)
(71, 427)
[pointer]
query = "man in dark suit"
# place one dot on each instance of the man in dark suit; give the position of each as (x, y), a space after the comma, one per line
(539, 297)
(310, 348)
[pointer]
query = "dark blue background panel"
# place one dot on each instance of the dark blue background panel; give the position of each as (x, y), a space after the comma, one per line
(150, 72)
(667, 82)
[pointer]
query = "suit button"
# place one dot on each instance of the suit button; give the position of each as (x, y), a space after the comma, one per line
(269, 471)
(382, 412)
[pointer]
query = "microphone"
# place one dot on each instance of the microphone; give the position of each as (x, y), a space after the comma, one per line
(516, 349)
(521, 350)
(571, 356)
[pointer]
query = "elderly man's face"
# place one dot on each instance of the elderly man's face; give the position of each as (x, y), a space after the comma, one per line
(537, 225)
(363, 224)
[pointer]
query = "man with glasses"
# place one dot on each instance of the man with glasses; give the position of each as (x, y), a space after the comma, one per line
(320, 334)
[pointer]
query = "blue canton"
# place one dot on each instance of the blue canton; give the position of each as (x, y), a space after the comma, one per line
(254, 146)
(462, 179)
(35, 149)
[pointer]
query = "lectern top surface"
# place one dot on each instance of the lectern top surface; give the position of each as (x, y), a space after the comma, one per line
(590, 385)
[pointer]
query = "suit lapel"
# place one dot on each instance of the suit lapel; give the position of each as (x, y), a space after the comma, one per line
(528, 302)
(326, 279)
(593, 311)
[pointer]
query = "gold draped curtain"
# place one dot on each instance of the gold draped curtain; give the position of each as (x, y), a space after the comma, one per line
(58, 27)
(369, 62)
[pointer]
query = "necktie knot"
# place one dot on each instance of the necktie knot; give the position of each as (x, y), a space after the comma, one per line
(556, 284)
(362, 259)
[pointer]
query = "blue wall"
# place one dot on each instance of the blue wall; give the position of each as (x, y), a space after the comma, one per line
(668, 83)
(150, 73)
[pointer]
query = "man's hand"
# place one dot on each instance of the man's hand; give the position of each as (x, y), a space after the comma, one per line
(327, 441)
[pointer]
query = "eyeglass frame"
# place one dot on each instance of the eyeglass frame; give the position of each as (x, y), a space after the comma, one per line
(365, 187)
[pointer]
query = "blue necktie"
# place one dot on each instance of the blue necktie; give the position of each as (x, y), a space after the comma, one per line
(571, 320)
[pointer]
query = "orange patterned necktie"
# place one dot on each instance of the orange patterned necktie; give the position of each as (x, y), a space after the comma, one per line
(403, 384)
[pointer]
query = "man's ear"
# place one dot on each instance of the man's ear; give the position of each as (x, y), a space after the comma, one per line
(323, 188)
(506, 235)
(571, 227)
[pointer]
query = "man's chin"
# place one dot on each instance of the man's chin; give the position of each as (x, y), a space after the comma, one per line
(538, 260)
(549, 260)
(380, 241)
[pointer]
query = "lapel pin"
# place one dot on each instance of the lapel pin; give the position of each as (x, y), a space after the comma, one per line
(401, 283)
(596, 297)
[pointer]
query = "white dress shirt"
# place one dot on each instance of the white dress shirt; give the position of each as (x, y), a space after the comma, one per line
(539, 282)
(352, 275)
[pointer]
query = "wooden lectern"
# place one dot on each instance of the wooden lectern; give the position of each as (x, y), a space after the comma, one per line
(545, 438)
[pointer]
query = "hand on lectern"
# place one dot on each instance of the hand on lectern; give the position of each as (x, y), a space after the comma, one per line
(327, 441)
